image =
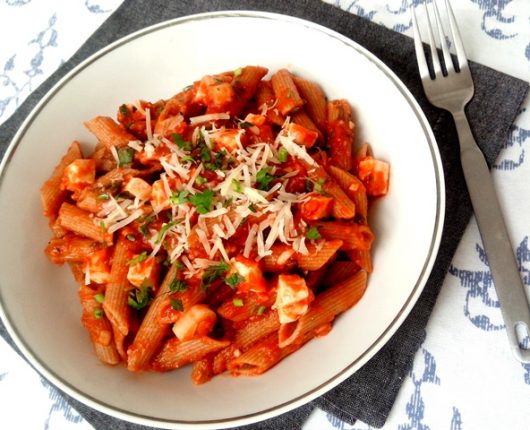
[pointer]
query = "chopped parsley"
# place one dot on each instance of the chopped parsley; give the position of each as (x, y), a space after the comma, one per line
(177, 286)
(180, 142)
(176, 304)
(236, 186)
(139, 298)
(313, 233)
(213, 273)
(125, 156)
(100, 298)
(200, 180)
(234, 280)
(202, 201)
(138, 259)
(103, 196)
(238, 71)
(164, 230)
(283, 155)
(238, 302)
(178, 197)
(124, 110)
(264, 178)
(98, 313)
(130, 237)
(144, 224)
(261, 310)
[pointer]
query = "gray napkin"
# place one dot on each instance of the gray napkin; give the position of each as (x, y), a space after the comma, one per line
(370, 393)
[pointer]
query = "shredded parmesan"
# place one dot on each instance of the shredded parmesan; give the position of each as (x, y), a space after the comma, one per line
(208, 117)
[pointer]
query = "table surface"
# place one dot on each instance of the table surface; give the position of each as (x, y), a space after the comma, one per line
(464, 375)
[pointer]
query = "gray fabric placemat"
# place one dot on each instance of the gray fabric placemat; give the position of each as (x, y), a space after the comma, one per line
(370, 393)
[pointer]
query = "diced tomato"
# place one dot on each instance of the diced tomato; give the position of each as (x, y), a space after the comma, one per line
(316, 206)
(138, 188)
(292, 298)
(374, 175)
(79, 174)
(98, 265)
(144, 272)
(302, 135)
(251, 273)
(197, 321)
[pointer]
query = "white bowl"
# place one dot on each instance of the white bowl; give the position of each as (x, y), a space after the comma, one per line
(39, 303)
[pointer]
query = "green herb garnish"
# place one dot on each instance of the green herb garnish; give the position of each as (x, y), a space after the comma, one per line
(138, 259)
(234, 280)
(202, 201)
(100, 298)
(163, 231)
(180, 142)
(139, 298)
(178, 197)
(238, 302)
(200, 180)
(125, 156)
(213, 273)
(313, 233)
(283, 155)
(176, 304)
(98, 313)
(264, 178)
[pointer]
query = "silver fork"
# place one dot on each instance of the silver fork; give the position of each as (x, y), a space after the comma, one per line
(451, 90)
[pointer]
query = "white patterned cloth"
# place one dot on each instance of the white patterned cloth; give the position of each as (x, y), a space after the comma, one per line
(464, 375)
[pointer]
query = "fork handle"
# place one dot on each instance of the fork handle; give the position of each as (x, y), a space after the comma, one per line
(503, 265)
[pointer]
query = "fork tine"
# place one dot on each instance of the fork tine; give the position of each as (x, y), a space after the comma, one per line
(432, 43)
(418, 45)
(457, 39)
(448, 61)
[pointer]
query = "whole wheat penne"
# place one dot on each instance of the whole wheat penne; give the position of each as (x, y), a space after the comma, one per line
(353, 236)
(302, 118)
(202, 370)
(175, 353)
(256, 329)
(362, 258)
(239, 309)
(324, 308)
(109, 132)
(341, 133)
(343, 206)
(51, 193)
(105, 161)
(288, 98)
(152, 330)
(319, 254)
(82, 222)
(98, 326)
(316, 101)
(258, 359)
(353, 187)
(245, 82)
(338, 271)
(281, 259)
(70, 248)
(116, 296)
(266, 102)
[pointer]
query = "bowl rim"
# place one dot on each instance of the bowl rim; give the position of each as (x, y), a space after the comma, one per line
(343, 374)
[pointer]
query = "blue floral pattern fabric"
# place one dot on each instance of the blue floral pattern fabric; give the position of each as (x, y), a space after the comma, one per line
(464, 363)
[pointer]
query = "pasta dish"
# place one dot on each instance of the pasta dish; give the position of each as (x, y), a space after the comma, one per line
(223, 227)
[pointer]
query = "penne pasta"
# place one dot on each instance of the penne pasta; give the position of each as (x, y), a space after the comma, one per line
(52, 195)
(221, 228)
(288, 99)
